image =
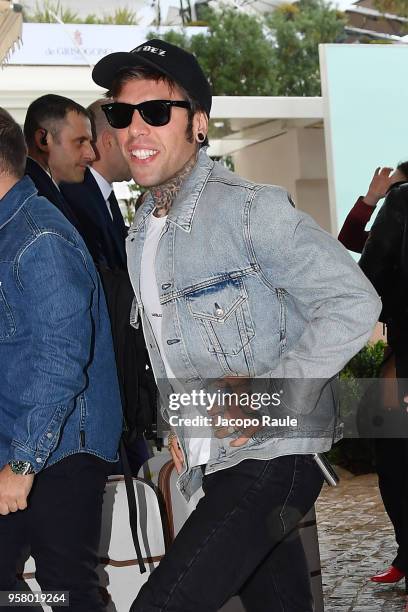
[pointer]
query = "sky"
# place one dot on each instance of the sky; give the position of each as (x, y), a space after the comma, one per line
(343, 4)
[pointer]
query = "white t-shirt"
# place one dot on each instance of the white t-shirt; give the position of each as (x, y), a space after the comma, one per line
(148, 285)
(198, 449)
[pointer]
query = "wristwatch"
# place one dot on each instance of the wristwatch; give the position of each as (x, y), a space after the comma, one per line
(21, 467)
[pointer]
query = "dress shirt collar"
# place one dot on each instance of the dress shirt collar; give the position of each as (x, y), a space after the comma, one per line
(103, 184)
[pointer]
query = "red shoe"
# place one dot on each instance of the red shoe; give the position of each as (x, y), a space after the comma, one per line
(392, 574)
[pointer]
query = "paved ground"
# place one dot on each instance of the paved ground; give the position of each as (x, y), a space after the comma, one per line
(356, 540)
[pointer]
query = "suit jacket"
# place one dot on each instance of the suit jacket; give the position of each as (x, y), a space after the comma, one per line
(47, 188)
(104, 237)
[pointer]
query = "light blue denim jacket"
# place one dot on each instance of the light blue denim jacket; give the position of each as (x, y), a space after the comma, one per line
(250, 286)
(59, 392)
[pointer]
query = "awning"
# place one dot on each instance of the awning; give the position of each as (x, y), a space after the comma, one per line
(10, 29)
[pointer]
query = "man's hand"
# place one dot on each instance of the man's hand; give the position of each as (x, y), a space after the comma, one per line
(176, 452)
(14, 490)
(380, 183)
(234, 413)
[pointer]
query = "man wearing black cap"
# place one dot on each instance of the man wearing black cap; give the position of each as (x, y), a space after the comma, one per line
(232, 284)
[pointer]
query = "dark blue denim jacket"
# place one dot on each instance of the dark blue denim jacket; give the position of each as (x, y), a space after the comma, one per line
(59, 392)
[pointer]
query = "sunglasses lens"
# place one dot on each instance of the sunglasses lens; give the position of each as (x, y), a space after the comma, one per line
(155, 112)
(119, 114)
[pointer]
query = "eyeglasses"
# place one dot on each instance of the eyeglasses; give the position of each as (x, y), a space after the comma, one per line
(154, 112)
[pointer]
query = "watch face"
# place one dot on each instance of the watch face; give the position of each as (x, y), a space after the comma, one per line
(21, 467)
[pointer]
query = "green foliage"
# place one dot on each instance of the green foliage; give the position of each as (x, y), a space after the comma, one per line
(122, 16)
(367, 363)
(235, 54)
(356, 454)
(45, 13)
(276, 55)
(354, 376)
(297, 33)
(91, 19)
(371, 41)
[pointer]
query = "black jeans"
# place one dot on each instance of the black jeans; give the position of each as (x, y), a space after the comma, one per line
(242, 538)
(391, 456)
(61, 526)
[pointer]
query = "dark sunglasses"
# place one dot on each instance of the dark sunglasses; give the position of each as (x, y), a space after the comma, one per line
(154, 112)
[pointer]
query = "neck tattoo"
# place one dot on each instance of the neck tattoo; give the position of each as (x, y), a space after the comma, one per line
(165, 194)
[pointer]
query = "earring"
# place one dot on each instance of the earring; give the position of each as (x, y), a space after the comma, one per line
(200, 137)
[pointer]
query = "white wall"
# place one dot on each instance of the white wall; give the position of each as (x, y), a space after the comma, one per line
(296, 160)
(20, 85)
(274, 161)
(312, 196)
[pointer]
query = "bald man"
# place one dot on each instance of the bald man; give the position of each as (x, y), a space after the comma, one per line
(94, 201)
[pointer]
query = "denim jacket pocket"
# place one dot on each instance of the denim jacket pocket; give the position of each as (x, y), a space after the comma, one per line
(222, 313)
(7, 322)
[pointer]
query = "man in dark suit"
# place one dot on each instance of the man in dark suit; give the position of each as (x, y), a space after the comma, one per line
(94, 202)
(102, 227)
(58, 136)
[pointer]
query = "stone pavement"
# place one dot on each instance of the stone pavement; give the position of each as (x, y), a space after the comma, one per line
(356, 541)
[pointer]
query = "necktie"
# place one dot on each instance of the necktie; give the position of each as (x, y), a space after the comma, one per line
(117, 218)
(118, 227)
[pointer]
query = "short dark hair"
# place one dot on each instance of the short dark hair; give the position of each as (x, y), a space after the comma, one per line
(98, 118)
(403, 168)
(13, 150)
(48, 112)
(143, 72)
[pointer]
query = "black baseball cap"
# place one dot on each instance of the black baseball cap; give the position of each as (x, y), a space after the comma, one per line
(176, 63)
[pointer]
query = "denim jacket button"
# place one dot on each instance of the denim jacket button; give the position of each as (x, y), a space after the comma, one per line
(218, 311)
(49, 435)
(38, 460)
